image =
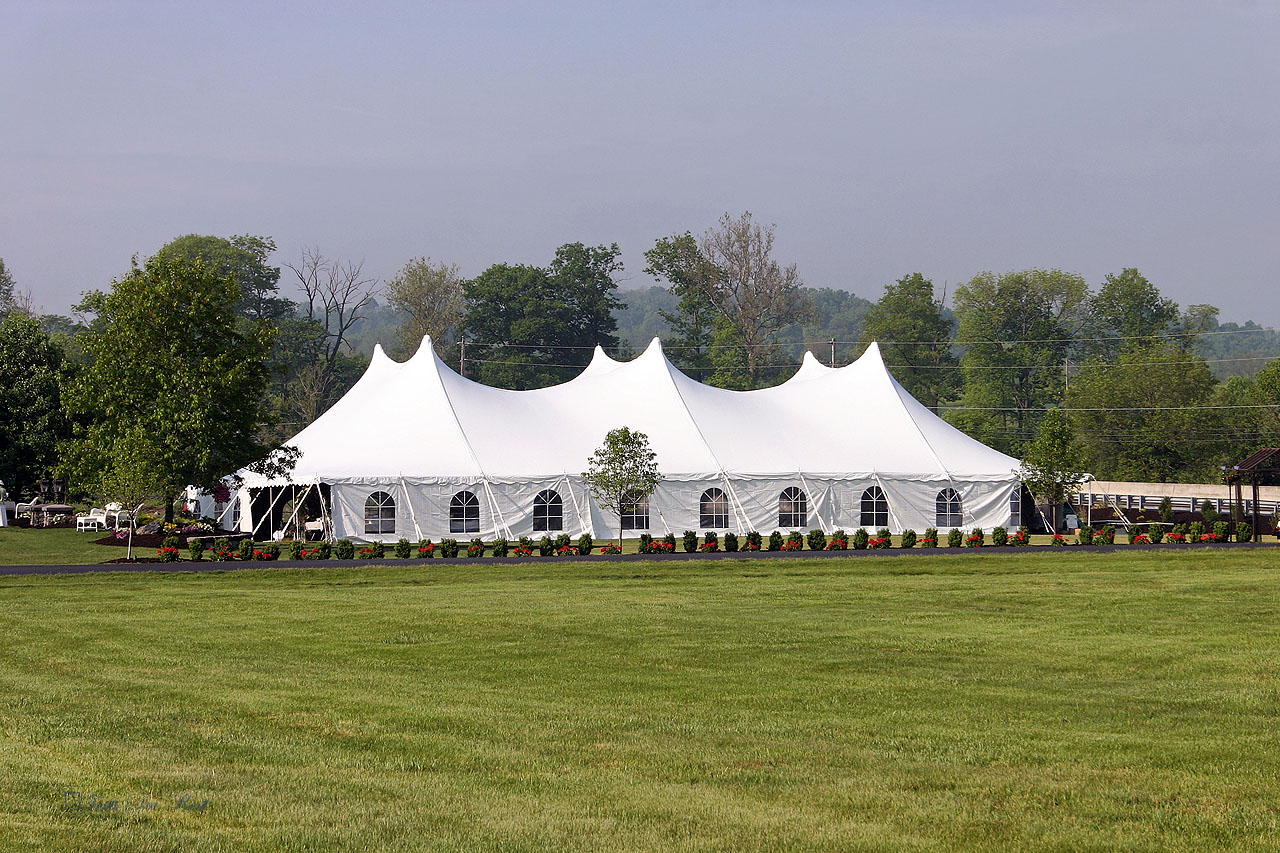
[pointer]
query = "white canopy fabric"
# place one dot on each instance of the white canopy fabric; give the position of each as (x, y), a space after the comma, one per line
(422, 434)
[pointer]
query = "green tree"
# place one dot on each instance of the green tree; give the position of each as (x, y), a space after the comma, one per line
(32, 421)
(429, 294)
(1054, 465)
(1017, 330)
(678, 261)
(244, 259)
(915, 339)
(6, 289)
(170, 362)
(622, 472)
(1142, 418)
(1129, 308)
(528, 327)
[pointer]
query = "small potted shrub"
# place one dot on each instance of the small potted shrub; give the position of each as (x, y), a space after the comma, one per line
(1022, 537)
(546, 546)
(403, 549)
(610, 548)
(775, 541)
(1156, 534)
(246, 548)
(646, 544)
(322, 551)
(563, 541)
(670, 539)
(860, 539)
(585, 544)
(449, 548)
(817, 540)
(1108, 535)
(731, 542)
(1244, 532)
(976, 539)
(908, 538)
(710, 543)
(838, 535)
(475, 548)
(955, 538)
(195, 549)
(345, 549)
(1223, 530)
(272, 550)
(1000, 537)
(1195, 531)
(379, 550)
(426, 549)
(754, 541)
(930, 538)
(296, 549)
(501, 547)
(796, 540)
(690, 541)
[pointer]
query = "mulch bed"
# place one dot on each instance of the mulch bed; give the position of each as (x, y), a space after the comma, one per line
(140, 540)
(134, 560)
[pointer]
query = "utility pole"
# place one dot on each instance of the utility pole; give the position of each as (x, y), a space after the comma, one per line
(1066, 376)
(833, 351)
(462, 356)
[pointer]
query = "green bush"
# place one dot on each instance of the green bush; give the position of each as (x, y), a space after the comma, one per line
(817, 540)
(999, 537)
(775, 541)
(195, 548)
(272, 550)
(644, 547)
(689, 541)
(731, 542)
(1195, 531)
(1023, 537)
(796, 540)
(754, 541)
(322, 551)
(501, 547)
(475, 548)
(1209, 513)
(977, 538)
(296, 547)
(527, 543)
(1085, 536)
(449, 548)
(955, 539)
(670, 539)
(839, 540)
(930, 539)
(860, 539)
(1155, 533)
(546, 546)
(1244, 532)
(585, 544)
(1107, 536)
(908, 538)
(345, 549)
(1223, 530)
(403, 549)
(710, 542)
(563, 541)
(379, 550)
(1166, 511)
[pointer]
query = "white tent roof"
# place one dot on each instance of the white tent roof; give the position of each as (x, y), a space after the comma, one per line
(419, 419)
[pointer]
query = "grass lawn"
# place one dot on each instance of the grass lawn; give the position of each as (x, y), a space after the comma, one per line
(25, 546)
(1016, 700)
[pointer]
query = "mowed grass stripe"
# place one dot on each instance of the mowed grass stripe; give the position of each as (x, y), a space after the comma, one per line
(1059, 701)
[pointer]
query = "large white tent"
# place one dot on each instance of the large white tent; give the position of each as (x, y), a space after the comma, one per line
(414, 450)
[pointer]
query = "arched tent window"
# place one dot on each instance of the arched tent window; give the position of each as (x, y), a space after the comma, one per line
(713, 510)
(950, 509)
(793, 509)
(548, 511)
(379, 514)
(875, 508)
(464, 513)
(635, 512)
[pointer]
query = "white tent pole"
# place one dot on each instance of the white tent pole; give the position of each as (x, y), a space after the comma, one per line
(822, 524)
(413, 516)
(297, 504)
(576, 507)
(494, 508)
(270, 532)
(893, 516)
(325, 512)
(739, 511)
(665, 526)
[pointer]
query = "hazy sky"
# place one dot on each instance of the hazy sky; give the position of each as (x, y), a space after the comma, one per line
(881, 138)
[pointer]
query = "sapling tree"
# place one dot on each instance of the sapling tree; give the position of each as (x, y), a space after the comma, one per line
(1053, 464)
(622, 473)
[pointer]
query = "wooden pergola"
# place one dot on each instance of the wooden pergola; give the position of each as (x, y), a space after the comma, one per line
(1261, 465)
